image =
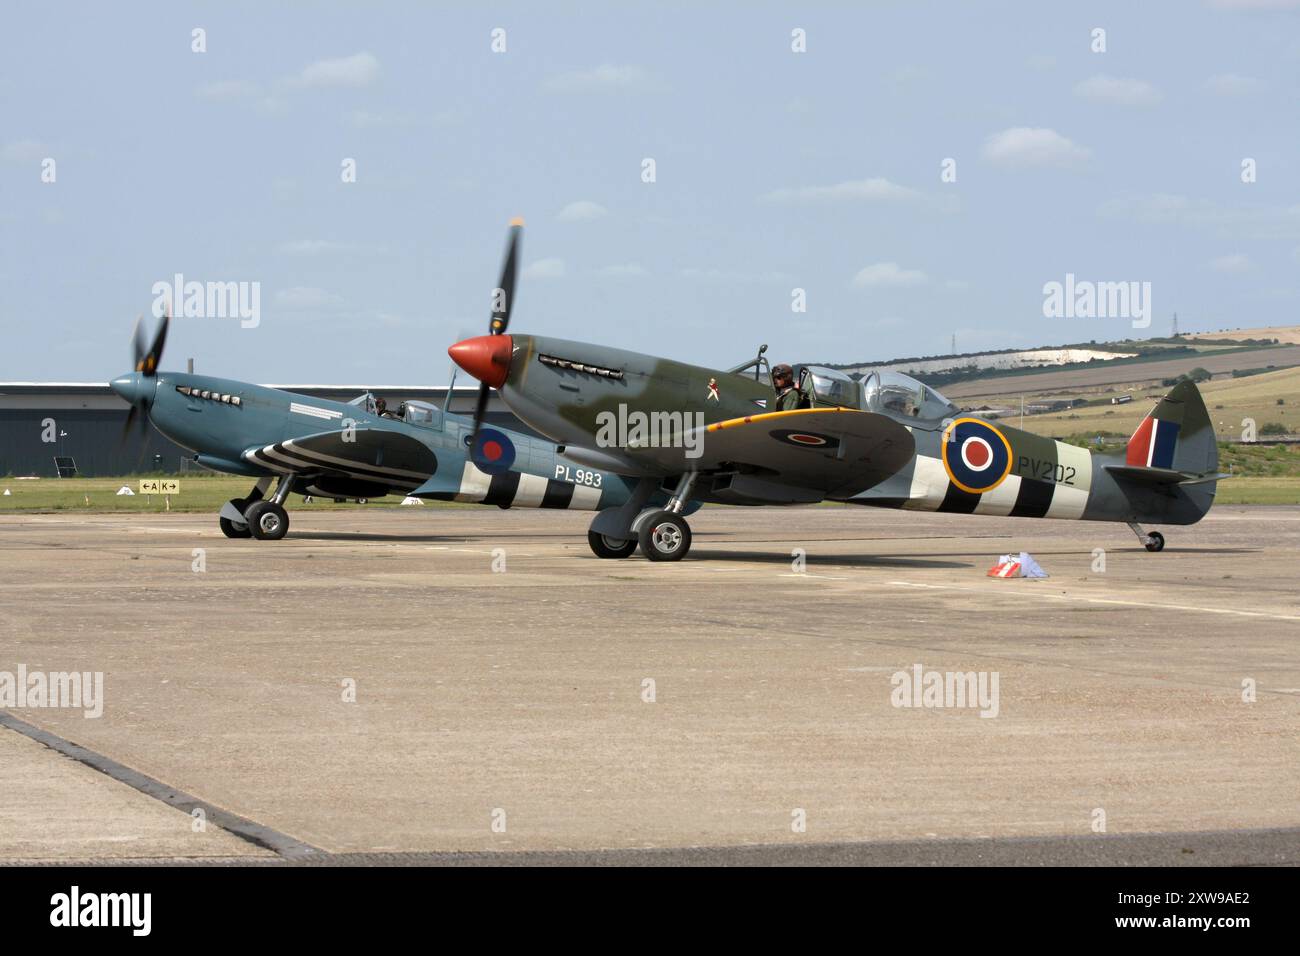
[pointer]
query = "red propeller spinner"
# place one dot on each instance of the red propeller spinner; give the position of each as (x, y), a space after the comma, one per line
(486, 357)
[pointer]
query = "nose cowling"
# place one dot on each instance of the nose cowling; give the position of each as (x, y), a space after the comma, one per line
(135, 388)
(486, 357)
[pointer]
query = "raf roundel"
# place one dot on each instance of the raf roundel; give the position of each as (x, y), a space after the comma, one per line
(492, 452)
(805, 439)
(976, 455)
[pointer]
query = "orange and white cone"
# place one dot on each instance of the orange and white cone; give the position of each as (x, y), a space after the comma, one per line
(1005, 568)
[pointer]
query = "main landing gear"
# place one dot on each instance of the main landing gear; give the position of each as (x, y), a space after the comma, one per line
(604, 546)
(662, 535)
(265, 520)
(1155, 541)
(665, 535)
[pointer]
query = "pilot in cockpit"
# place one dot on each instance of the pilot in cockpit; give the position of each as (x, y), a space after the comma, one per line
(788, 395)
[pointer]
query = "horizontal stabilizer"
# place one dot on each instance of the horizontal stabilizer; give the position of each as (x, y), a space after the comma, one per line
(1162, 476)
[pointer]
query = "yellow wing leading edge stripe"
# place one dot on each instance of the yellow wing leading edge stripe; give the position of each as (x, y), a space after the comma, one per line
(767, 416)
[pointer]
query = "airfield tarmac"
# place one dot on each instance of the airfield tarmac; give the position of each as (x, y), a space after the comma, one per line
(485, 696)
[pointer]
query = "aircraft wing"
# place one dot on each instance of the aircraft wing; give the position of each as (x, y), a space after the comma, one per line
(826, 450)
(367, 454)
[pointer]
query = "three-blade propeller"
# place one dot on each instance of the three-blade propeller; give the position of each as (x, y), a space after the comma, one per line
(503, 302)
(145, 361)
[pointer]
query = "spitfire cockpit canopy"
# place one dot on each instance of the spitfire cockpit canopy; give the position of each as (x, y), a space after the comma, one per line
(421, 413)
(898, 394)
(828, 386)
(365, 400)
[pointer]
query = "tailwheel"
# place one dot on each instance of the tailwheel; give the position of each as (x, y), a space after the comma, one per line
(1155, 541)
(665, 536)
(606, 547)
(229, 526)
(267, 521)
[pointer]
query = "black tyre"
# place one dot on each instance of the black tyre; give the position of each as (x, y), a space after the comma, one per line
(1155, 541)
(604, 547)
(228, 527)
(267, 521)
(665, 536)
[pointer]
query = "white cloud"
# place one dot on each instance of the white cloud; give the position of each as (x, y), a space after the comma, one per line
(584, 210)
(1026, 146)
(1232, 84)
(1234, 264)
(24, 151)
(360, 69)
(1238, 220)
(229, 90)
(631, 270)
(603, 79)
(545, 269)
(888, 274)
(306, 297)
(1112, 89)
(854, 190)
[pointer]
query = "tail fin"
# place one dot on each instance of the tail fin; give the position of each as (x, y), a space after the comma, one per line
(1171, 464)
(1177, 436)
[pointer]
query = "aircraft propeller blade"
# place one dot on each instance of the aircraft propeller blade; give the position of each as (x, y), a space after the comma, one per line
(135, 414)
(149, 363)
(503, 303)
(130, 420)
(480, 408)
(503, 298)
(137, 344)
(145, 361)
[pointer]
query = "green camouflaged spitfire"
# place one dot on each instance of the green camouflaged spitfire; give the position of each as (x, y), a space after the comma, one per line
(706, 435)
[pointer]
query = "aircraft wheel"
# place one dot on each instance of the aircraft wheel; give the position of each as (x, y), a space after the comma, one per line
(604, 547)
(1155, 541)
(665, 536)
(229, 528)
(267, 521)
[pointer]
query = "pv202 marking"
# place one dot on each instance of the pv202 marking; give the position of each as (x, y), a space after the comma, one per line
(1042, 469)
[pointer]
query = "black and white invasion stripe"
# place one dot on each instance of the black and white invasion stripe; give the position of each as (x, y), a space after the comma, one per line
(514, 489)
(287, 456)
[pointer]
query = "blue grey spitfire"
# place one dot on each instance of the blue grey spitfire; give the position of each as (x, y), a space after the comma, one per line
(315, 446)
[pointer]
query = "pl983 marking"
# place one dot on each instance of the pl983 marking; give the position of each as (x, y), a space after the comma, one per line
(579, 476)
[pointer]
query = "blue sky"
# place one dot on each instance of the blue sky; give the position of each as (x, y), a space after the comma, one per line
(775, 170)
